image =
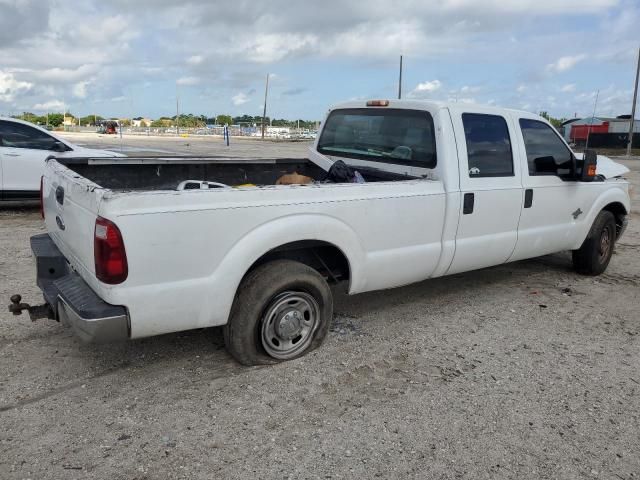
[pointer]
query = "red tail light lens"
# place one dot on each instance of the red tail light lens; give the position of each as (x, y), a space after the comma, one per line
(42, 197)
(109, 252)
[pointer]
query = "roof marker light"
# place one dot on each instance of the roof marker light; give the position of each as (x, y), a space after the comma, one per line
(378, 103)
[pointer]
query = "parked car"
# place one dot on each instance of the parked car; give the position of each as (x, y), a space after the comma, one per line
(152, 246)
(24, 148)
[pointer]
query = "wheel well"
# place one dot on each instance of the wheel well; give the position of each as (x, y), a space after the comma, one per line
(324, 257)
(619, 212)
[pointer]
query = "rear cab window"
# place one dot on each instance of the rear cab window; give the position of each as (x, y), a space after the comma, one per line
(386, 135)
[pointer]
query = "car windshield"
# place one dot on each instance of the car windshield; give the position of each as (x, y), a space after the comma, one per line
(398, 136)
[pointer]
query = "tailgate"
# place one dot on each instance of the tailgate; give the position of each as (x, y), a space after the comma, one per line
(71, 206)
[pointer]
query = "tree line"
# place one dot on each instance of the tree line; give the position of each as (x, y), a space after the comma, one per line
(184, 120)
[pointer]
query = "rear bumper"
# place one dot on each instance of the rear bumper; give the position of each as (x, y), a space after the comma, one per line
(72, 300)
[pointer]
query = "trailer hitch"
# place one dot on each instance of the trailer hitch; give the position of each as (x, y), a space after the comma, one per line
(36, 312)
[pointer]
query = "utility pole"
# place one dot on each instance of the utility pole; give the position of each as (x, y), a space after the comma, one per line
(264, 111)
(633, 108)
(177, 112)
(400, 80)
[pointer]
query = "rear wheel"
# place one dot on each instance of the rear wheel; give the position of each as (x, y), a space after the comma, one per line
(593, 257)
(282, 310)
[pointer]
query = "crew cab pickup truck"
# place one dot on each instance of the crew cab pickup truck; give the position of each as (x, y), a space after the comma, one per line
(139, 247)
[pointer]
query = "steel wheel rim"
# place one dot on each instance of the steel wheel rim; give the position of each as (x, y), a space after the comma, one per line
(288, 324)
(605, 244)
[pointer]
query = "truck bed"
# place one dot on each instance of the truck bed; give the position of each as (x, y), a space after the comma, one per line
(166, 173)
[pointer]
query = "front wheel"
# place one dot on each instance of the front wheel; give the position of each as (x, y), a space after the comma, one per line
(593, 257)
(282, 310)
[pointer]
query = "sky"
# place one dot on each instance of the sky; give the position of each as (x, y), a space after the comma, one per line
(126, 58)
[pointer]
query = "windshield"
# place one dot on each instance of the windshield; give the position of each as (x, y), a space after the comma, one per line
(398, 136)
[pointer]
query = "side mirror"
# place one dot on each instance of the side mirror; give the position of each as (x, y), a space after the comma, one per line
(59, 147)
(589, 166)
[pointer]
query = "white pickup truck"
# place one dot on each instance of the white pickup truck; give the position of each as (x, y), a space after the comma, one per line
(140, 247)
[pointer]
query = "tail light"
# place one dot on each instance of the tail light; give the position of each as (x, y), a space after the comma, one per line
(42, 197)
(109, 253)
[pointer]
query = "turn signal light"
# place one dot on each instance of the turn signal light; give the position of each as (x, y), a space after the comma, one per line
(378, 103)
(591, 170)
(109, 253)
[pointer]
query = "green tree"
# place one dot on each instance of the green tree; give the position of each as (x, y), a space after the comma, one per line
(56, 119)
(90, 120)
(162, 122)
(224, 120)
(556, 122)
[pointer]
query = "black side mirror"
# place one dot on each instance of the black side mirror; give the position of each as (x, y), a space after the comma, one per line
(589, 166)
(59, 146)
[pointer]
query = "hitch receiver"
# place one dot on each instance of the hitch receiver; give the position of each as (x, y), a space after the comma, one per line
(36, 312)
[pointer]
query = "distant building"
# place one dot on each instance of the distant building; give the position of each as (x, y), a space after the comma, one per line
(141, 122)
(601, 131)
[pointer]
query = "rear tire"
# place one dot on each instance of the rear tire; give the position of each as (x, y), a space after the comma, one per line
(283, 310)
(593, 257)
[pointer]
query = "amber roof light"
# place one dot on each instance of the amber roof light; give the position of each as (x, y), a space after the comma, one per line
(378, 103)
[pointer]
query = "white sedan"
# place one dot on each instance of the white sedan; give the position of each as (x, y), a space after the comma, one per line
(24, 147)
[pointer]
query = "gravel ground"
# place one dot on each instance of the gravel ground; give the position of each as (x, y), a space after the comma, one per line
(526, 370)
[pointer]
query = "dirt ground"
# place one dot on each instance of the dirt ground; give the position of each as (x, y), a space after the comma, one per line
(526, 370)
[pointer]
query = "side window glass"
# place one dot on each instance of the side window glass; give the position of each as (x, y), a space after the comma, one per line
(488, 145)
(17, 135)
(546, 152)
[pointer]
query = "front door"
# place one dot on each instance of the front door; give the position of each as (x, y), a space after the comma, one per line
(491, 190)
(554, 203)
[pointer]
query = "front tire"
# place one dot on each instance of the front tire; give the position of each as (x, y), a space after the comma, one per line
(283, 310)
(593, 257)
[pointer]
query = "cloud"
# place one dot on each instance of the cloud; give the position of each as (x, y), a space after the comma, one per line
(240, 99)
(521, 88)
(430, 86)
(470, 89)
(294, 91)
(20, 20)
(188, 81)
(564, 64)
(80, 89)
(50, 106)
(10, 87)
(195, 60)
(569, 87)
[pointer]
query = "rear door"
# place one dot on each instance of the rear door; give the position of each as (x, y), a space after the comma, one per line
(491, 189)
(23, 150)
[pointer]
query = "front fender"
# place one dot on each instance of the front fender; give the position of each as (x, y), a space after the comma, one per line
(616, 194)
(292, 228)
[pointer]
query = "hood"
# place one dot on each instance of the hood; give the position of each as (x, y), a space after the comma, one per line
(90, 152)
(607, 167)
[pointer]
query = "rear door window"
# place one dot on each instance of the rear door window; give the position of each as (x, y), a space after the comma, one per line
(488, 145)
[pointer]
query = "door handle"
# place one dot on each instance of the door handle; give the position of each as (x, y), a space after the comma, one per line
(11, 154)
(60, 195)
(528, 198)
(467, 203)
